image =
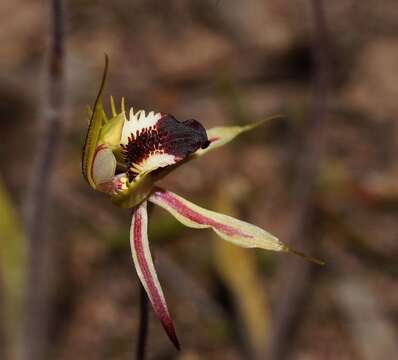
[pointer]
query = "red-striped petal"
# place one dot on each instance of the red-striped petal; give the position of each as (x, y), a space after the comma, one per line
(236, 231)
(146, 270)
(230, 229)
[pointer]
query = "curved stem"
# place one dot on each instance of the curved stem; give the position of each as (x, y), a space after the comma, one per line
(143, 325)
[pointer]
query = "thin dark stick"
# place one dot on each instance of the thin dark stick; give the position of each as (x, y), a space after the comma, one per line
(39, 201)
(4, 337)
(143, 325)
(295, 274)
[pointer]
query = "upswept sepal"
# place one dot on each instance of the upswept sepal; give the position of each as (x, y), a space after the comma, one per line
(95, 124)
(221, 135)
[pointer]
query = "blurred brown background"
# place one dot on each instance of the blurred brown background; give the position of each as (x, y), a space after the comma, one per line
(221, 62)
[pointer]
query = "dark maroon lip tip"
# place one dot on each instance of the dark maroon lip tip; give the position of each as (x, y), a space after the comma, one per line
(193, 123)
(167, 136)
(205, 144)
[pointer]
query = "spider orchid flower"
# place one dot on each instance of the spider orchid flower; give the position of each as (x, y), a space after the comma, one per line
(124, 156)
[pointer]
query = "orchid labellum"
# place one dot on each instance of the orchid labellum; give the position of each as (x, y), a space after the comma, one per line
(125, 154)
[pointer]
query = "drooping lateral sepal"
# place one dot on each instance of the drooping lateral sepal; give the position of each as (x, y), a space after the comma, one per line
(233, 230)
(146, 270)
(236, 231)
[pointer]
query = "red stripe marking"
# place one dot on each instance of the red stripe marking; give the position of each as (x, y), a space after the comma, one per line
(154, 295)
(192, 215)
(213, 139)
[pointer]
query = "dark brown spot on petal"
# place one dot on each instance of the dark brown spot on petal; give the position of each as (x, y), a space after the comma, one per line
(168, 136)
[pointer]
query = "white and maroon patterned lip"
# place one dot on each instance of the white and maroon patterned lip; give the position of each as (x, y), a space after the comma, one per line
(137, 122)
(158, 140)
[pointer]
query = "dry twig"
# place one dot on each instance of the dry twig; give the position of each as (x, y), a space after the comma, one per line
(295, 273)
(39, 202)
